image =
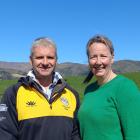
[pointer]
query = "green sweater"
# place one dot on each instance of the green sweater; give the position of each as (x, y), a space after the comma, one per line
(111, 111)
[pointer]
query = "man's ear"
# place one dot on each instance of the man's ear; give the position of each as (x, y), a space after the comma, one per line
(31, 63)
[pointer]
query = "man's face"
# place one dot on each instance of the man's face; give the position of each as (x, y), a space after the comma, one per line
(43, 61)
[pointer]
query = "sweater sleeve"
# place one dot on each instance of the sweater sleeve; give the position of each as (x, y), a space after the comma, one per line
(128, 107)
(8, 116)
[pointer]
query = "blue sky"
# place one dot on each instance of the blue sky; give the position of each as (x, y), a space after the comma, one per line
(70, 23)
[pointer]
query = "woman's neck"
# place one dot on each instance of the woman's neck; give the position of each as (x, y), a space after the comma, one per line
(107, 78)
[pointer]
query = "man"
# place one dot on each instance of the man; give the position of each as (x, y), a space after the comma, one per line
(41, 106)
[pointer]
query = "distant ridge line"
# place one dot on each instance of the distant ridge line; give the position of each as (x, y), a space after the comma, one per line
(70, 68)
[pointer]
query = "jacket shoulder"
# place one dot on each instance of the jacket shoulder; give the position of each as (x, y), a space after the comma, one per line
(11, 92)
(72, 89)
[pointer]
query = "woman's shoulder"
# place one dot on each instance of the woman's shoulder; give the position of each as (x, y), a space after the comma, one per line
(123, 79)
(127, 79)
(91, 87)
(126, 85)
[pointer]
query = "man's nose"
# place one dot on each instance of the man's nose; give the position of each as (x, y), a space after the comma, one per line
(45, 61)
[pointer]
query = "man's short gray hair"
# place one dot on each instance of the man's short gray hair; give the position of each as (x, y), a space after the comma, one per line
(43, 41)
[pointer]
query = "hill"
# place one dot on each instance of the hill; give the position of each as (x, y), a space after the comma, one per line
(16, 69)
(125, 66)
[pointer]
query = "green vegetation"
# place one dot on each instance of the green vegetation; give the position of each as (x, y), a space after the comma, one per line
(75, 82)
(4, 84)
(135, 76)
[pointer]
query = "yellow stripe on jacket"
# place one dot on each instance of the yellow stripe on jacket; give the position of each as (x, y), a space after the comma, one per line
(32, 104)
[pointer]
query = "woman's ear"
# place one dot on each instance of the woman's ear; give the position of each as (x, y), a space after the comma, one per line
(112, 59)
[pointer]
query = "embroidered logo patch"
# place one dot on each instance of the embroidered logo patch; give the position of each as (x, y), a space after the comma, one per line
(65, 102)
(31, 103)
(3, 107)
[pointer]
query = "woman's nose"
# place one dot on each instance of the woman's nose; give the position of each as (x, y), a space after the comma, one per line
(98, 61)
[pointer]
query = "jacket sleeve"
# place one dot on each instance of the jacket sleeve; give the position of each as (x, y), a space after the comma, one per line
(128, 106)
(76, 131)
(8, 116)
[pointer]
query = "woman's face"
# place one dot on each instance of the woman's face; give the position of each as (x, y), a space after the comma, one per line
(100, 60)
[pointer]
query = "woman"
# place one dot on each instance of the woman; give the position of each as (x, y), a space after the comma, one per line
(111, 105)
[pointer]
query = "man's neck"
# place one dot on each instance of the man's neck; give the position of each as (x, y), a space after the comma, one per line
(45, 82)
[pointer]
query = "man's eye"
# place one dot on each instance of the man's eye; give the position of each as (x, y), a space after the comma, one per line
(103, 56)
(39, 57)
(50, 57)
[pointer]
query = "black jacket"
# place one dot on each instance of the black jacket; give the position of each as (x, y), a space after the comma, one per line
(26, 114)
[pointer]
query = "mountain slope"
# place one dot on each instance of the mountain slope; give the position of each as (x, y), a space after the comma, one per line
(71, 69)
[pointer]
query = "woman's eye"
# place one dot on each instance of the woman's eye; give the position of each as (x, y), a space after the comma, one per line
(94, 56)
(103, 56)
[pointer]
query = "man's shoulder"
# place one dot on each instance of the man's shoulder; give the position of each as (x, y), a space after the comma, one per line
(69, 87)
(13, 88)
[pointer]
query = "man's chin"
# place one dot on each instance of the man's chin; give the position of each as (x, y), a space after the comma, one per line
(45, 74)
